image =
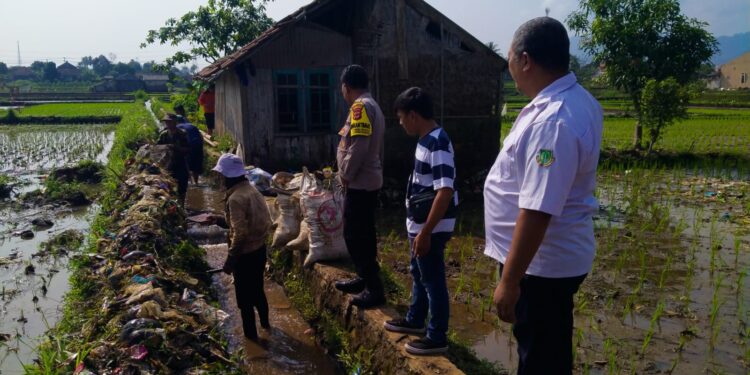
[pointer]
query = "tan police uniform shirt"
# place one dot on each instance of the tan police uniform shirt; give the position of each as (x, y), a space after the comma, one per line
(360, 151)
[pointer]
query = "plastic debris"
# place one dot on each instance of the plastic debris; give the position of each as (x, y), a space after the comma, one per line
(138, 279)
(138, 352)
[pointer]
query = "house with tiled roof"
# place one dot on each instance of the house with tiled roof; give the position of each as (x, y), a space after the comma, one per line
(279, 96)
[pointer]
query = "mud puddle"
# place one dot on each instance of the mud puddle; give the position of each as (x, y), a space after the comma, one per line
(289, 347)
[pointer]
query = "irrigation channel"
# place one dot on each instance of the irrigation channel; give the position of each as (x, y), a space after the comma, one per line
(289, 347)
(32, 286)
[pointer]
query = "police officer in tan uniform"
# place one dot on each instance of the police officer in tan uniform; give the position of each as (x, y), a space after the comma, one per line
(360, 164)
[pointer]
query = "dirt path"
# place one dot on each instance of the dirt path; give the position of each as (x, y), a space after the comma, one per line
(285, 349)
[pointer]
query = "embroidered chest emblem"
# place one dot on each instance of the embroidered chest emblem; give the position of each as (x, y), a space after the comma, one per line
(544, 158)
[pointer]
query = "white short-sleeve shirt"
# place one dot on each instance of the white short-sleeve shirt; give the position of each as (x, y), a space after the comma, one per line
(548, 163)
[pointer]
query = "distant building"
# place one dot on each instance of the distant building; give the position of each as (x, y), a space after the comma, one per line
(130, 83)
(21, 72)
(155, 82)
(735, 74)
(67, 72)
(121, 83)
(713, 81)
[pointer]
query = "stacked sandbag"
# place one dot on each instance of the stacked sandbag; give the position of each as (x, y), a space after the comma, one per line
(323, 211)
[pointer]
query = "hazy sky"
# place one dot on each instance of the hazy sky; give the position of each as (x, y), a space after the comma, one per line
(56, 30)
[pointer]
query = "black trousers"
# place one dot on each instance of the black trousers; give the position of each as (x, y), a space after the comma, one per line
(248, 287)
(544, 324)
(360, 236)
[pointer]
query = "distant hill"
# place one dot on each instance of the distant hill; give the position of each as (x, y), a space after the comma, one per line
(730, 47)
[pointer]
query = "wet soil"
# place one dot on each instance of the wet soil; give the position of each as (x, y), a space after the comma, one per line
(30, 301)
(659, 299)
(32, 287)
(290, 346)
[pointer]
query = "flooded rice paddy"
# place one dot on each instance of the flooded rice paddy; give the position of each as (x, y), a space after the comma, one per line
(668, 292)
(32, 286)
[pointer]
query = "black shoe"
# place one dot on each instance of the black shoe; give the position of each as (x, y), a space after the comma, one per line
(265, 324)
(403, 326)
(366, 300)
(425, 346)
(353, 286)
(252, 337)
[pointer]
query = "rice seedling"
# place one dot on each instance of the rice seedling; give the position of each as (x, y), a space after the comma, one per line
(652, 327)
(665, 272)
(716, 304)
(737, 244)
(30, 149)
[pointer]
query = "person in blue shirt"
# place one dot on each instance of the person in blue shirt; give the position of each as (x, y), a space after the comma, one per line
(195, 141)
(431, 218)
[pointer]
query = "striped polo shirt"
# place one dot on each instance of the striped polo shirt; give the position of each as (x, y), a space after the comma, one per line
(434, 169)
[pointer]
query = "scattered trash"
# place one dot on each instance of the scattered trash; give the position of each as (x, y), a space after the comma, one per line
(138, 279)
(201, 219)
(42, 223)
(138, 352)
(207, 233)
(260, 179)
(61, 244)
(25, 234)
(710, 194)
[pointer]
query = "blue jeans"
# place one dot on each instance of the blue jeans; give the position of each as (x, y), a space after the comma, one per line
(429, 291)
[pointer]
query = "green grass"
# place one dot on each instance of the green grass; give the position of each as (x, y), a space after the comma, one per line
(73, 109)
(706, 131)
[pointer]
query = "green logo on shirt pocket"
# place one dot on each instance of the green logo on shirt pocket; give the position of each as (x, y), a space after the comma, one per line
(544, 158)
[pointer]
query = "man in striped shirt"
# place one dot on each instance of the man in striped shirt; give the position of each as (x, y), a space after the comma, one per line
(431, 217)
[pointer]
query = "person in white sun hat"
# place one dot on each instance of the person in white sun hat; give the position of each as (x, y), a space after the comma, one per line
(249, 221)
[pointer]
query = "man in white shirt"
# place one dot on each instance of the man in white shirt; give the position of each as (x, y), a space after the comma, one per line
(539, 199)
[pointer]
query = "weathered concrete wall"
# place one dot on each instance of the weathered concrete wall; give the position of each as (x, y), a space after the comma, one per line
(366, 326)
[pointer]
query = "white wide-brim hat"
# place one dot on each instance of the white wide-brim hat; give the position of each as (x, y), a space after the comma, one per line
(230, 165)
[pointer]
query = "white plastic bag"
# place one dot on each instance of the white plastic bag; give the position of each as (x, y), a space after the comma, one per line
(324, 214)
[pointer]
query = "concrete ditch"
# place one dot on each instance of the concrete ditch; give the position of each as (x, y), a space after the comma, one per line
(365, 327)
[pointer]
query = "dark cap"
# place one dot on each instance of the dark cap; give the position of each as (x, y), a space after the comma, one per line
(169, 117)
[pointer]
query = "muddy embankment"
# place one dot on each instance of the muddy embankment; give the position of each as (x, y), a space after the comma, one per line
(140, 301)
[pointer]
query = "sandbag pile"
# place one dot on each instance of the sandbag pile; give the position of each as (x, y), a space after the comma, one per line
(155, 315)
(310, 216)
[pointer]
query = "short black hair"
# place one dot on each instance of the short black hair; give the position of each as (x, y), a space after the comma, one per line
(355, 76)
(179, 108)
(417, 100)
(546, 41)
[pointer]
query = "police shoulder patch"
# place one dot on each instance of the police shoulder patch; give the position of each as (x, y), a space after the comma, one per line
(359, 121)
(545, 158)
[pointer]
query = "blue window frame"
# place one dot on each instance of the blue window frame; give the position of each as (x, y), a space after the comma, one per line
(304, 101)
(289, 116)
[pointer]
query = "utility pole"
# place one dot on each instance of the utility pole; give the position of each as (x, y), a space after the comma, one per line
(18, 44)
